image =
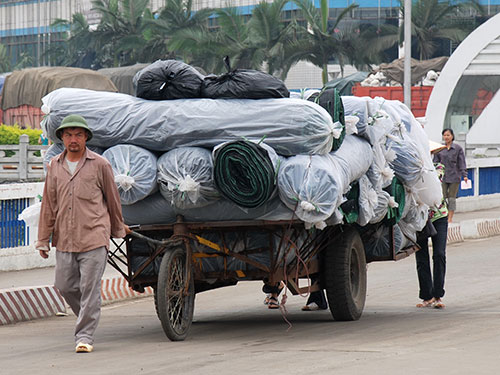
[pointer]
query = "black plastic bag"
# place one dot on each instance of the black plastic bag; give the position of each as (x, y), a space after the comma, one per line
(243, 84)
(168, 79)
(428, 231)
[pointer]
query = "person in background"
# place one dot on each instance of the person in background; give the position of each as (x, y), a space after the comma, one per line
(80, 212)
(43, 140)
(453, 159)
(432, 284)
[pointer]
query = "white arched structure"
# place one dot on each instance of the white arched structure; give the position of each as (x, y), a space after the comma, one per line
(475, 62)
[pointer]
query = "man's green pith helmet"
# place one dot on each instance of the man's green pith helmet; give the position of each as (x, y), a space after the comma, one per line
(73, 121)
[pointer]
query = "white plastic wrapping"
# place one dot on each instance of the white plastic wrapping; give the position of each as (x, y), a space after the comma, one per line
(368, 201)
(313, 186)
(134, 169)
(290, 126)
(185, 177)
(31, 215)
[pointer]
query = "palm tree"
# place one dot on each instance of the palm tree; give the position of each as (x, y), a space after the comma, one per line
(433, 20)
(268, 31)
(80, 48)
(179, 24)
(122, 31)
(320, 40)
(4, 59)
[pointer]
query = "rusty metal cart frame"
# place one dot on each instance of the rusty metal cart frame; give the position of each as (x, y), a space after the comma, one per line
(335, 253)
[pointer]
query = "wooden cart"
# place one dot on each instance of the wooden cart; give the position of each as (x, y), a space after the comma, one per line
(182, 259)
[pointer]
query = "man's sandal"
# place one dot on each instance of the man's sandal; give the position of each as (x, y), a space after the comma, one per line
(83, 348)
(273, 303)
(426, 303)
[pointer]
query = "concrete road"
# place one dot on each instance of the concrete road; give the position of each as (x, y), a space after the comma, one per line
(233, 332)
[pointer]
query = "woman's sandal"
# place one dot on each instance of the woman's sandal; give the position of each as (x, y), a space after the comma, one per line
(273, 303)
(426, 303)
(438, 304)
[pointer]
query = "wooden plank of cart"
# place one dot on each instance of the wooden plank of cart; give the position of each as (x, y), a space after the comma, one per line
(181, 259)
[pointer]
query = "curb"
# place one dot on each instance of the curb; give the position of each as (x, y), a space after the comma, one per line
(20, 304)
(473, 229)
(28, 303)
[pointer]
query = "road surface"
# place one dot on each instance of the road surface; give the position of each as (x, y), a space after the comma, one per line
(233, 332)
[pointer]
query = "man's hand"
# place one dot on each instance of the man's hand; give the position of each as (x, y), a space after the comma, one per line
(466, 179)
(127, 229)
(44, 253)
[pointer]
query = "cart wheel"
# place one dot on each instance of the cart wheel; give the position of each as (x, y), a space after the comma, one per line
(175, 309)
(344, 276)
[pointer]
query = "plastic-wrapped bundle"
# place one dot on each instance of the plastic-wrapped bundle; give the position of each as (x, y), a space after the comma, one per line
(380, 173)
(407, 165)
(313, 185)
(135, 171)
(373, 124)
(414, 217)
(244, 84)
(150, 210)
(384, 203)
(330, 100)
(290, 126)
(397, 205)
(245, 172)
(57, 148)
(427, 187)
(168, 79)
(368, 201)
(185, 177)
(224, 210)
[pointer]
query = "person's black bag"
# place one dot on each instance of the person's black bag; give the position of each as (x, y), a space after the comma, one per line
(168, 79)
(427, 231)
(243, 84)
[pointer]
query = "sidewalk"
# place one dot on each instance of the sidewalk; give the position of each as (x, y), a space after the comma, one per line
(30, 294)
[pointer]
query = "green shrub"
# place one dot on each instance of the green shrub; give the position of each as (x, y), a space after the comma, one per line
(9, 135)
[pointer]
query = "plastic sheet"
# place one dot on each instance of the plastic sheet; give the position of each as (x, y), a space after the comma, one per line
(245, 172)
(224, 210)
(31, 215)
(134, 169)
(368, 201)
(168, 79)
(378, 243)
(185, 177)
(153, 209)
(290, 126)
(313, 186)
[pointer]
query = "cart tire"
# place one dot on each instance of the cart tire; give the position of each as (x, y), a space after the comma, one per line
(344, 276)
(175, 309)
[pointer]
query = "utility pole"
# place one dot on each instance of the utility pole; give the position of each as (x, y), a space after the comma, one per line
(407, 54)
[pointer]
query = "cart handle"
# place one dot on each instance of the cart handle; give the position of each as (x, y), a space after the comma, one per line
(165, 243)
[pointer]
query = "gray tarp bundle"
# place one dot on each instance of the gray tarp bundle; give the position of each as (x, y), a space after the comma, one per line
(153, 209)
(313, 185)
(185, 177)
(290, 126)
(135, 171)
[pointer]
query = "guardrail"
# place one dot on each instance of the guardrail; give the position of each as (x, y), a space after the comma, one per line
(23, 165)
